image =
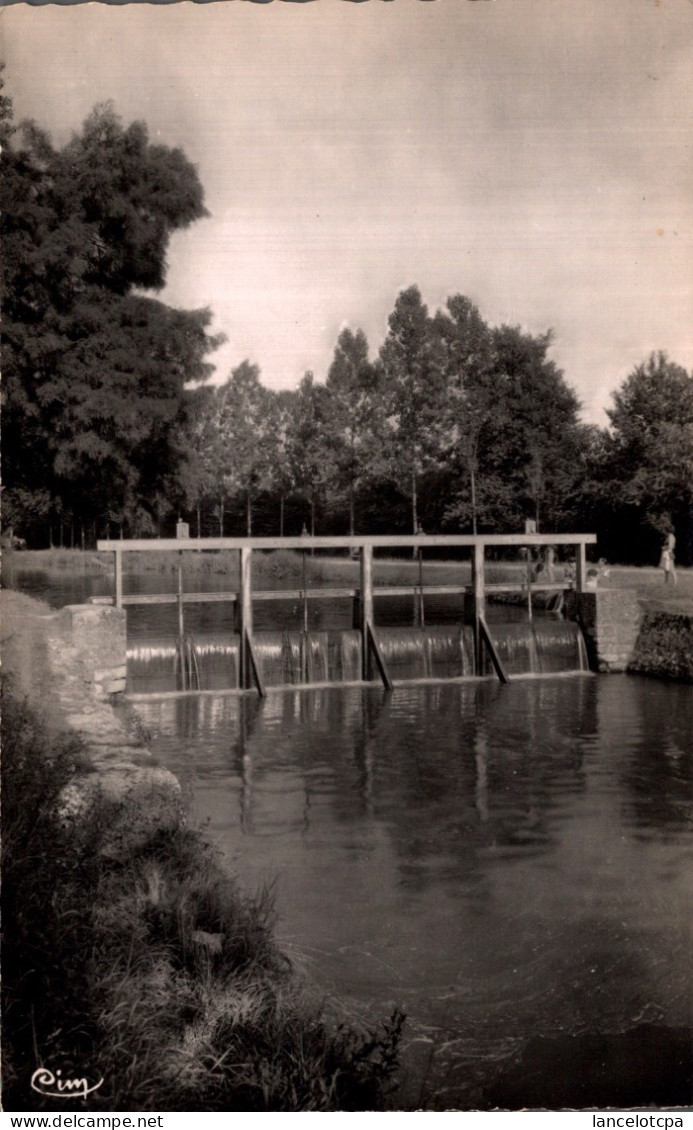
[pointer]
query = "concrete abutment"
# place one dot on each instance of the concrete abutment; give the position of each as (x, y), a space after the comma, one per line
(610, 621)
(87, 654)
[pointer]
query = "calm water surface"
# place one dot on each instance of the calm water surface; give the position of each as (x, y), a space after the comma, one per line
(503, 862)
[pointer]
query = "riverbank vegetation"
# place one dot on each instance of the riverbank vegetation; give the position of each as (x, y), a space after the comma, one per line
(152, 972)
(453, 423)
(663, 647)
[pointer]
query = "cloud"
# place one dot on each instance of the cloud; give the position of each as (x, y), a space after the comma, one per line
(529, 153)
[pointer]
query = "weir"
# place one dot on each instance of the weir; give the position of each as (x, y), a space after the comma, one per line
(247, 659)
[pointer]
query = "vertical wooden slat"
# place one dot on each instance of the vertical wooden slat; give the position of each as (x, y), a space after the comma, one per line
(422, 621)
(366, 605)
(118, 577)
(181, 624)
(478, 599)
(580, 567)
(246, 614)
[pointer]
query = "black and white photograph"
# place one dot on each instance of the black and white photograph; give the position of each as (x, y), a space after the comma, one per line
(347, 558)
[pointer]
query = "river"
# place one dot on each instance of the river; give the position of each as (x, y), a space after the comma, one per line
(511, 865)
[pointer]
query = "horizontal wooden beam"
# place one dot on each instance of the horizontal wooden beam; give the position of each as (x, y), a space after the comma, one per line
(537, 586)
(331, 593)
(172, 598)
(158, 545)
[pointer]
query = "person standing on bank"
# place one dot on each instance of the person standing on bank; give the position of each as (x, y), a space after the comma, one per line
(666, 561)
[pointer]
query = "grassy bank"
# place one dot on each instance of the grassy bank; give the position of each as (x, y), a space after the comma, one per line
(653, 594)
(286, 568)
(277, 565)
(153, 972)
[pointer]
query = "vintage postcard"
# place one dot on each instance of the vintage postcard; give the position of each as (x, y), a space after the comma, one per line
(347, 557)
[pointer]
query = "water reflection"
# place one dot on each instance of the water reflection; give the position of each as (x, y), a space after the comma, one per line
(506, 862)
(657, 774)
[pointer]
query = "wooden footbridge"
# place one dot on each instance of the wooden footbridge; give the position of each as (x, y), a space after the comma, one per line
(475, 593)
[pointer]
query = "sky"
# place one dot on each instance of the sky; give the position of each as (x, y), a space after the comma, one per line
(534, 155)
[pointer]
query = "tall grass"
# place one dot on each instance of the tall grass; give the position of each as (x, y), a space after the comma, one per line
(154, 972)
(42, 984)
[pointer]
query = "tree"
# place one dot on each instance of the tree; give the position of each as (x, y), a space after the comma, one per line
(95, 372)
(279, 470)
(648, 455)
(307, 442)
(352, 383)
(538, 445)
(197, 441)
(471, 401)
(244, 422)
(413, 375)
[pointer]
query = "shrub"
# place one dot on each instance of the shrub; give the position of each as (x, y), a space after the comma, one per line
(44, 935)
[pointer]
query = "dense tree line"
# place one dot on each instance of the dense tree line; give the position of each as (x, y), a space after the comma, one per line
(453, 425)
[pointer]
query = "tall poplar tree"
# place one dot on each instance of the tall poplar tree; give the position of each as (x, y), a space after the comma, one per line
(471, 402)
(412, 367)
(244, 422)
(355, 413)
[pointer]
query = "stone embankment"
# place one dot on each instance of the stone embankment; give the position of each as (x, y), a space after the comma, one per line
(67, 663)
(620, 636)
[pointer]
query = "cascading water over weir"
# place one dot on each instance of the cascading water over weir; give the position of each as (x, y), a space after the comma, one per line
(244, 659)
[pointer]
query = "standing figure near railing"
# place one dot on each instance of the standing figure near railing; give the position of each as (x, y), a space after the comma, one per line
(667, 561)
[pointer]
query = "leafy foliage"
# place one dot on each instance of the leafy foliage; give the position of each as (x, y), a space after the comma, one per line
(308, 443)
(414, 384)
(355, 420)
(94, 371)
(454, 425)
(645, 461)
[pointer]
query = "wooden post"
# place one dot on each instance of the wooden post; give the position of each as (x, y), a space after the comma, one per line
(580, 567)
(181, 626)
(366, 605)
(246, 613)
(422, 622)
(478, 599)
(369, 644)
(305, 594)
(118, 578)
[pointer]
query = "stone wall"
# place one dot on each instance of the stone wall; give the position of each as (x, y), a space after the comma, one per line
(87, 653)
(98, 632)
(621, 637)
(610, 620)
